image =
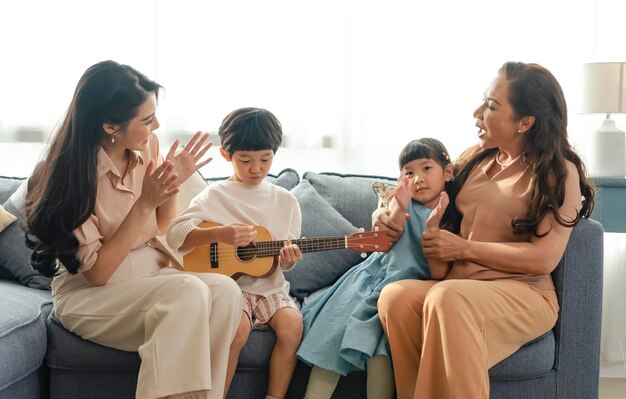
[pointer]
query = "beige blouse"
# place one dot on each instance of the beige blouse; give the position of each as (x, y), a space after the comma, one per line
(116, 194)
(488, 206)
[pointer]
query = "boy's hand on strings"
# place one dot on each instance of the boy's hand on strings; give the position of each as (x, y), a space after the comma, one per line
(237, 234)
(289, 255)
(432, 223)
(188, 160)
(159, 184)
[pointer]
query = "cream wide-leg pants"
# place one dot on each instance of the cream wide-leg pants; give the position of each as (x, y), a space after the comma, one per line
(182, 325)
(444, 336)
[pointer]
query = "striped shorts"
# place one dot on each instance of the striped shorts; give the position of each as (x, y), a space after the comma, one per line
(260, 308)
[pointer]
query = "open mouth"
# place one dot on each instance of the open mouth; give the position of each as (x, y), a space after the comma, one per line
(481, 132)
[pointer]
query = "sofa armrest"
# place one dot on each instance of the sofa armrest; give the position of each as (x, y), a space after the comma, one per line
(578, 281)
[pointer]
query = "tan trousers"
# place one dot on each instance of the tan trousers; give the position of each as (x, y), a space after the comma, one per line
(181, 324)
(444, 336)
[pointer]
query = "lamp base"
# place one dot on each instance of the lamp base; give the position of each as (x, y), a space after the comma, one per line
(608, 151)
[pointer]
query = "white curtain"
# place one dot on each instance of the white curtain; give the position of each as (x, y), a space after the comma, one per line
(362, 76)
(614, 298)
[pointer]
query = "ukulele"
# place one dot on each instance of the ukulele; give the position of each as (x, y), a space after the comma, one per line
(260, 257)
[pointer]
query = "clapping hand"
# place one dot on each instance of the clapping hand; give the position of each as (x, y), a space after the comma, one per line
(432, 223)
(402, 194)
(187, 161)
(159, 184)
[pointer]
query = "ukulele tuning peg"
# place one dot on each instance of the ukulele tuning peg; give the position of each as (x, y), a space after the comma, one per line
(361, 230)
(363, 255)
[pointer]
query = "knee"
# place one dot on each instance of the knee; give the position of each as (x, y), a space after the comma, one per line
(289, 332)
(191, 289)
(445, 299)
(227, 286)
(392, 299)
(242, 334)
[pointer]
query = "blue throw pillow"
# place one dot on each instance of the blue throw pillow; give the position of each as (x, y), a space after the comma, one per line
(319, 269)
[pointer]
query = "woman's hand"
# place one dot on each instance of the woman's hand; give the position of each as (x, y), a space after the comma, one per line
(289, 255)
(187, 161)
(381, 220)
(158, 184)
(443, 245)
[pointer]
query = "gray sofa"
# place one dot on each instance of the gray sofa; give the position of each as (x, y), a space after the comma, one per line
(40, 359)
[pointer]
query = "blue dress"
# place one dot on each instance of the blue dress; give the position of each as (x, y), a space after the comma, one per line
(342, 328)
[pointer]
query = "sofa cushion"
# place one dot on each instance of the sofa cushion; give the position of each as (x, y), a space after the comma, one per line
(22, 331)
(67, 350)
(532, 360)
(319, 269)
(351, 195)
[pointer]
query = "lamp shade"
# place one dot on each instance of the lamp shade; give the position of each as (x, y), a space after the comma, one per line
(604, 88)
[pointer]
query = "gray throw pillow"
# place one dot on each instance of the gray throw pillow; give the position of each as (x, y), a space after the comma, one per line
(319, 269)
(15, 259)
(14, 254)
(15, 203)
(286, 178)
(351, 195)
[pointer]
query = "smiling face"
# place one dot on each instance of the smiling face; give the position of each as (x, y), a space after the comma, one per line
(427, 179)
(498, 126)
(250, 167)
(136, 134)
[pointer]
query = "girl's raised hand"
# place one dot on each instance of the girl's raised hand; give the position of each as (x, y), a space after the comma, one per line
(403, 194)
(159, 184)
(187, 161)
(432, 223)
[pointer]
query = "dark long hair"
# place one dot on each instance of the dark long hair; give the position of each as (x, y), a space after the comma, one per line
(62, 189)
(534, 91)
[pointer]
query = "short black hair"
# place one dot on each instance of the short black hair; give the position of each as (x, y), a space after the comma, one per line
(425, 147)
(250, 129)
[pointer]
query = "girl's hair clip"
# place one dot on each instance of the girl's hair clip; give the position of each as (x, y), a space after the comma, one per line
(445, 155)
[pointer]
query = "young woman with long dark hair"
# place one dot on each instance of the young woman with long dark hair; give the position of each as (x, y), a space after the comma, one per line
(94, 207)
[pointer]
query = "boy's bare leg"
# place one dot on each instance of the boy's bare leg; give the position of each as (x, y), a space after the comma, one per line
(287, 324)
(241, 337)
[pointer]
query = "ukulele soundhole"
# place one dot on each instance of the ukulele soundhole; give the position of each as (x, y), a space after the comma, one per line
(247, 253)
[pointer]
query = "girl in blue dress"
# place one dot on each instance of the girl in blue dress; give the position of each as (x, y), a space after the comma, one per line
(342, 330)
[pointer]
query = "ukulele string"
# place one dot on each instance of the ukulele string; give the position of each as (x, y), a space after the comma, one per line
(244, 252)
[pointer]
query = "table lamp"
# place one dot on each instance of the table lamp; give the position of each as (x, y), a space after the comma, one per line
(604, 92)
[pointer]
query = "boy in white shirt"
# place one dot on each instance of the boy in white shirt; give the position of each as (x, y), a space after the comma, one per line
(250, 138)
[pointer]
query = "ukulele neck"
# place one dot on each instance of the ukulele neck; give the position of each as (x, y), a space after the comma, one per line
(272, 248)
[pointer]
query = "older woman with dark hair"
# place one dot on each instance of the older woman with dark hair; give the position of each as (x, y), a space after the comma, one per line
(515, 199)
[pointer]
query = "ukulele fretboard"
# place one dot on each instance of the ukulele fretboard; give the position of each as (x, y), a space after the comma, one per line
(272, 248)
